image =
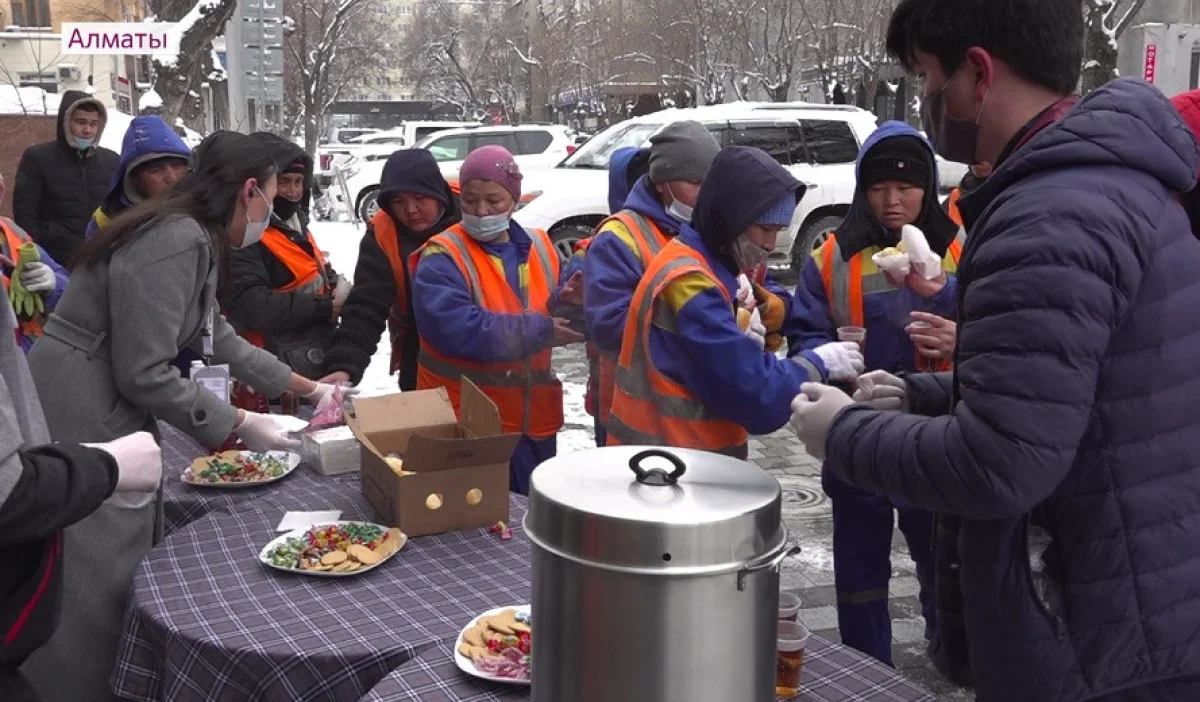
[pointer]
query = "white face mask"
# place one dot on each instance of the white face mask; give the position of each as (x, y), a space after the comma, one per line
(487, 228)
(255, 230)
(747, 254)
(677, 209)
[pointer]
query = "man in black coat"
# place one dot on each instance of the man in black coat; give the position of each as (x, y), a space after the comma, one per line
(60, 183)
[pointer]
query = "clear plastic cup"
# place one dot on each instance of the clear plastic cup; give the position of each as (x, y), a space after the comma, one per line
(856, 334)
(789, 658)
(789, 606)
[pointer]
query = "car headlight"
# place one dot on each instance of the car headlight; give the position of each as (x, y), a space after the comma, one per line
(527, 198)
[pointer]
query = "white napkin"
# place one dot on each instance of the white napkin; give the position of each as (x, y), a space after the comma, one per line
(917, 256)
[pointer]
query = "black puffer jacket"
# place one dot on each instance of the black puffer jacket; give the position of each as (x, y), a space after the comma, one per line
(58, 187)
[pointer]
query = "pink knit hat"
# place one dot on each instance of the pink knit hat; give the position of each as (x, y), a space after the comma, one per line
(492, 163)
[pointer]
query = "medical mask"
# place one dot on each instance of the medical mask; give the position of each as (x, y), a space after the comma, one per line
(84, 144)
(677, 209)
(255, 230)
(747, 254)
(486, 229)
(955, 139)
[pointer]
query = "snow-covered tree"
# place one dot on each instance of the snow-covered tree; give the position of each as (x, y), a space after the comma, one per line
(1106, 21)
(845, 42)
(329, 44)
(178, 80)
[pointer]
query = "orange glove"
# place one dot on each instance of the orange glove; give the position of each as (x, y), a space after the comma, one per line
(773, 312)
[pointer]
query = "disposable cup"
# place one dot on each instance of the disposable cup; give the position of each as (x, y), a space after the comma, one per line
(789, 658)
(856, 334)
(789, 606)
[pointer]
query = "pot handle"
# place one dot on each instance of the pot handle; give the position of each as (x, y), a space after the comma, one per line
(657, 476)
(767, 564)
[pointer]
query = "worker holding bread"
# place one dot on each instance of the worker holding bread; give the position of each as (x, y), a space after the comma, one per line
(854, 281)
(688, 375)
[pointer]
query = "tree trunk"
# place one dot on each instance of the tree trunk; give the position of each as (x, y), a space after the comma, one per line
(178, 84)
(1100, 46)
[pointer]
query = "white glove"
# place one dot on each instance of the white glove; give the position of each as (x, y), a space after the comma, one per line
(813, 412)
(38, 277)
(322, 395)
(842, 359)
(341, 291)
(882, 391)
(745, 292)
(260, 433)
(756, 331)
(139, 461)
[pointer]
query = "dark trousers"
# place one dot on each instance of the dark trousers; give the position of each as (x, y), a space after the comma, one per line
(862, 565)
(1185, 689)
(601, 433)
(528, 455)
(14, 687)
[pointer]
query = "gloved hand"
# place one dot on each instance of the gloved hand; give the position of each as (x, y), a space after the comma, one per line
(813, 412)
(139, 461)
(341, 291)
(843, 360)
(882, 391)
(322, 394)
(756, 331)
(260, 433)
(774, 313)
(38, 277)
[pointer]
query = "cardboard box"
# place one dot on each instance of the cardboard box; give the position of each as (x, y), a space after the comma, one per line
(449, 457)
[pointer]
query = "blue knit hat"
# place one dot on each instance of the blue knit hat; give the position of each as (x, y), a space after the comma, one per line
(779, 214)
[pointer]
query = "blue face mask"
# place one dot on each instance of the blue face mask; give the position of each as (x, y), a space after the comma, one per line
(485, 229)
(84, 144)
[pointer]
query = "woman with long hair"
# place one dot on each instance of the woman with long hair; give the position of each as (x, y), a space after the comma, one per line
(145, 287)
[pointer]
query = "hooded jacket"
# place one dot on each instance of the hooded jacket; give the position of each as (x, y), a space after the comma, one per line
(250, 297)
(886, 313)
(147, 139)
(58, 187)
(1188, 105)
(365, 314)
(1071, 410)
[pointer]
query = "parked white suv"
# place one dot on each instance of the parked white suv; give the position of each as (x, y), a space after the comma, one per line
(534, 146)
(817, 143)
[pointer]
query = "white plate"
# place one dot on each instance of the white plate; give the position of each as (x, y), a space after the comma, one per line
(262, 555)
(291, 459)
(467, 665)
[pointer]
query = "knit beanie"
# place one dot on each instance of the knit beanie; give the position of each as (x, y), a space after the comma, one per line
(682, 151)
(494, 163)
(779, 214)
(297, 166)
(902, 158)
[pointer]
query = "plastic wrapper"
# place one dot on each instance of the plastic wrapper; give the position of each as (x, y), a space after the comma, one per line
(332, 414)
(913, 254)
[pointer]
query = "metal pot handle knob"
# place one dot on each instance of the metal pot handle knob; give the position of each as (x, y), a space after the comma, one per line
(767, 564)
(657, 476)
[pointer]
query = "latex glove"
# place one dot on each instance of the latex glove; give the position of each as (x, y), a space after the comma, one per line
(843, 360)
(260, 433)
(341, 291)
(745, 292)
(813, 412)
(38, 277)
(139, 461)
(882, 391)
(756, 331)
(322, 395)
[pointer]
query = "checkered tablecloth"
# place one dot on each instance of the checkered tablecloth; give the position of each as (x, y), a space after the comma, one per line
(208, 623)
(832, 673)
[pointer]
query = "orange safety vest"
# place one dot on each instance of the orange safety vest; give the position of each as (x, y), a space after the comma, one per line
(952, 206)
(527, 393)
(399, 323)
(649, 240)
(308, 273)
(649, 408)
(31, 328)
(846, 283)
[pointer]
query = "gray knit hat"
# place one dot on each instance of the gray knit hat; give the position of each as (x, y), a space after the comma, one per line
(682, 151)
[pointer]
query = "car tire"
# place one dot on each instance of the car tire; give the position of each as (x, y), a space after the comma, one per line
(564, 238)
(811, 237)
(367, 205)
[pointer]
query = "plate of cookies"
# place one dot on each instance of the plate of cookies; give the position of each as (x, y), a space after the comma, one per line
(334, 550)
(497, 645)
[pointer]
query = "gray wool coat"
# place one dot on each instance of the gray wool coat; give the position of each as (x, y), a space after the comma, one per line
(102, 369)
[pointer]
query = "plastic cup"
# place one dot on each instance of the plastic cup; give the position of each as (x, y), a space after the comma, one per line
(789, 658)
(856, 334)
(919, 325)
(789, 606)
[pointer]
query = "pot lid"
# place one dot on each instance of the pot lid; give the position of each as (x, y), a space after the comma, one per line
(669, 510)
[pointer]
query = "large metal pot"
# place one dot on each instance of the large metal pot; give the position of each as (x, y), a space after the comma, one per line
(655, 577)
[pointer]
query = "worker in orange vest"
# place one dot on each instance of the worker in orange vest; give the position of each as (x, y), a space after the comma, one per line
(976, 174)
(415, 203)
(485, 293)
(45, 278)
(896, 186)
(688, 374)
(282, 295)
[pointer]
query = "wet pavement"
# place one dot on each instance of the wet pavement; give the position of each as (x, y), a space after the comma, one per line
(806, 508)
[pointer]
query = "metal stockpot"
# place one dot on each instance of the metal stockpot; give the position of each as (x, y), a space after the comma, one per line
(655, 577)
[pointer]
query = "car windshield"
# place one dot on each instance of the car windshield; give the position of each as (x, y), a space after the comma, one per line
(598, 150)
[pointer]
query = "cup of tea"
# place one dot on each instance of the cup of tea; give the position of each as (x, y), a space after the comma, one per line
(856, 334)
(789, 658)
(789, 606)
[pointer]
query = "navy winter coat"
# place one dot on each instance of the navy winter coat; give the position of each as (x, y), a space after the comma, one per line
(1074, 406)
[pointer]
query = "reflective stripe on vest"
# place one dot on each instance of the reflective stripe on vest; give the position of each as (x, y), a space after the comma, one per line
(399, 323)
(952, 206)
(29, 327)
(308, 270)
(527, 392)
(648, 408)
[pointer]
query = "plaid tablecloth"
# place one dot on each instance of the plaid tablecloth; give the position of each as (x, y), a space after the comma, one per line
(208, 623)
(832, 673)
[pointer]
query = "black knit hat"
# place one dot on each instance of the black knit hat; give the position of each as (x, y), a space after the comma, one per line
(902, 158)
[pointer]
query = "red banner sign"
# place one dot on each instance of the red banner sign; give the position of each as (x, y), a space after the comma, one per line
(1151, 62)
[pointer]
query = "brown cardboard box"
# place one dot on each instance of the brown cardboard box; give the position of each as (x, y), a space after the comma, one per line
(449, 456)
